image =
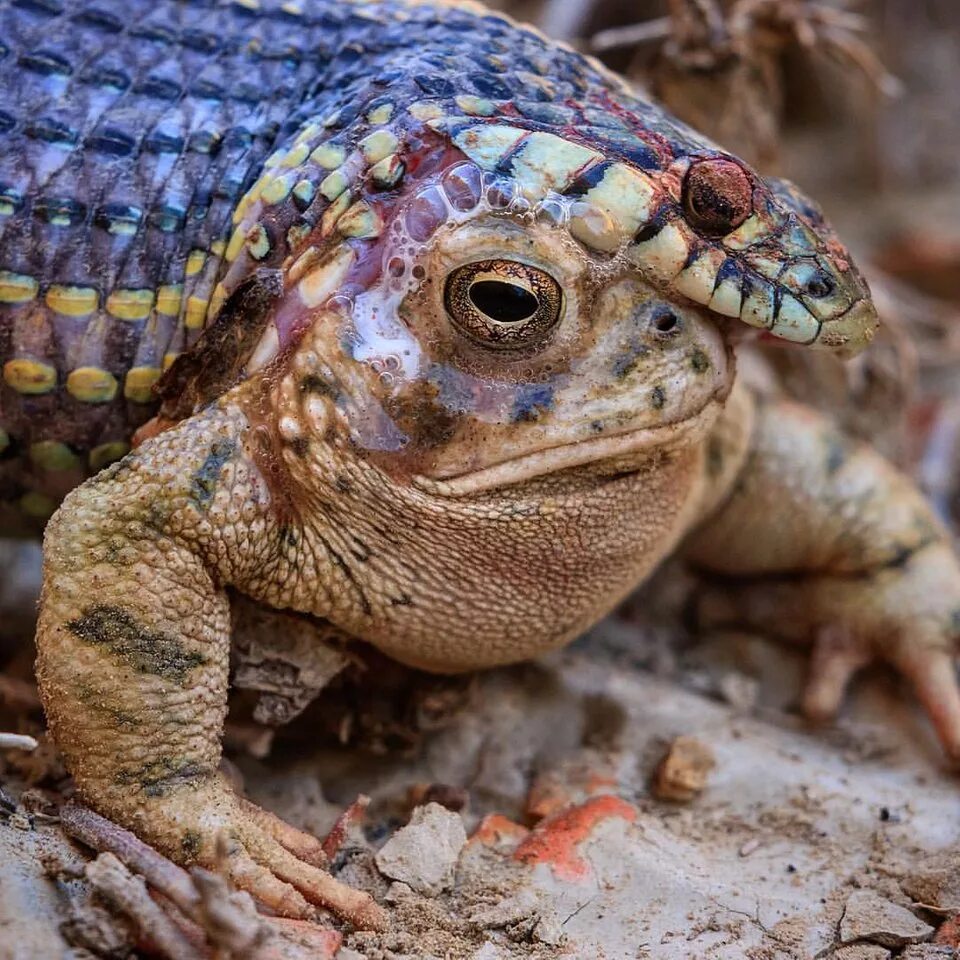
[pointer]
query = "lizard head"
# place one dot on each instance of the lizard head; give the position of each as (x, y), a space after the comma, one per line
(486, 301)
(692, 220)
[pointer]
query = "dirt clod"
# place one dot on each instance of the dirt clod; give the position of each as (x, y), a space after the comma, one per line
(861, 951)
(347, 954)
(868, 916)
(423, 854)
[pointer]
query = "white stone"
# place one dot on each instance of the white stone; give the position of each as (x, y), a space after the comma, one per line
(424, 853)
(489, 952)
(868, 916)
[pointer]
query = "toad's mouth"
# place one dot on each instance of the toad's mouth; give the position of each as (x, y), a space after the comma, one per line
(636, 446)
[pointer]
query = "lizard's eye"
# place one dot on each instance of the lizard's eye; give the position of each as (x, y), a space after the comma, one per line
(717, 196)
(503, 303)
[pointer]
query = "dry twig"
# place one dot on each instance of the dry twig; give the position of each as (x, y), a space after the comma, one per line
(128, 894)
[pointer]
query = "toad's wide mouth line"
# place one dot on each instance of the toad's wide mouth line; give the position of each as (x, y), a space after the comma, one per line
(529, 466)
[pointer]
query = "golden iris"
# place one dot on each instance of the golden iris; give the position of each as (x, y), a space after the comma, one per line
(504, 304)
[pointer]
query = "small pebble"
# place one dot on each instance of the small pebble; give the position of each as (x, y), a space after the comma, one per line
(424, 853)
(682, 773)
(749, 847)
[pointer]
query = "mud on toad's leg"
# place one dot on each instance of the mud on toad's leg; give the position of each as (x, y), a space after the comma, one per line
(823, 540)
(133, 645)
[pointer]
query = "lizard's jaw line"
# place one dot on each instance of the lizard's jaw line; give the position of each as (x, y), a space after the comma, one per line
(532, 465)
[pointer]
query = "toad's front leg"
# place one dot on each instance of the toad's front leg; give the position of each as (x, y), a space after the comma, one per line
(823, 540)
(133, 644)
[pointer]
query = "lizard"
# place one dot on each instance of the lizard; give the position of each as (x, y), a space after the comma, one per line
(400, 315)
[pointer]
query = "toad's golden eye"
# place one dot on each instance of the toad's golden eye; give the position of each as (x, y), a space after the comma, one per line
(503, 303)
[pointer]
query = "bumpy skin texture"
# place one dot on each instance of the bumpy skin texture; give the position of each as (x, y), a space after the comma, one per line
(465, 379)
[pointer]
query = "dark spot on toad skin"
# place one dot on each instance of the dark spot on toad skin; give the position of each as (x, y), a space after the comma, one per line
(300, 446)
(203, 484)
(359, 550)
(342, 483)
(347, 571)
(626, 362)
(619, 475)
(314, 384)
(658, 397)
(532, 401)
(95, 698)
(837, 452)
(156, 515)
(121, 718)
(146, 651)
(405, 601)
(715, 457)
(901, 554)
(158, 777)
(118, 470)
(699, 361)
(422, 414)
(190, 845)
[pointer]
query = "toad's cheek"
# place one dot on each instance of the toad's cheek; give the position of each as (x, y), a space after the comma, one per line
(635, 392)
(644, 377)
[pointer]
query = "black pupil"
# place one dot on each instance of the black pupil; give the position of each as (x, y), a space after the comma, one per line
(502, 301)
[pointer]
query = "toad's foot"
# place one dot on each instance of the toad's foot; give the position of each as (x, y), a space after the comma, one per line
(207, 824)
(822, 540)
(902, 616)
(927, 662)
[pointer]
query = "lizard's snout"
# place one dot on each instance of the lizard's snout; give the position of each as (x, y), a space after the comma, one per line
(852, 330)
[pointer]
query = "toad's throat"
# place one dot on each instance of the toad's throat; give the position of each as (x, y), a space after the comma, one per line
(634, 444)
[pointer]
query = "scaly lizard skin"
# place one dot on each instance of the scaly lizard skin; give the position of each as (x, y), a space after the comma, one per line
(446, 313)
